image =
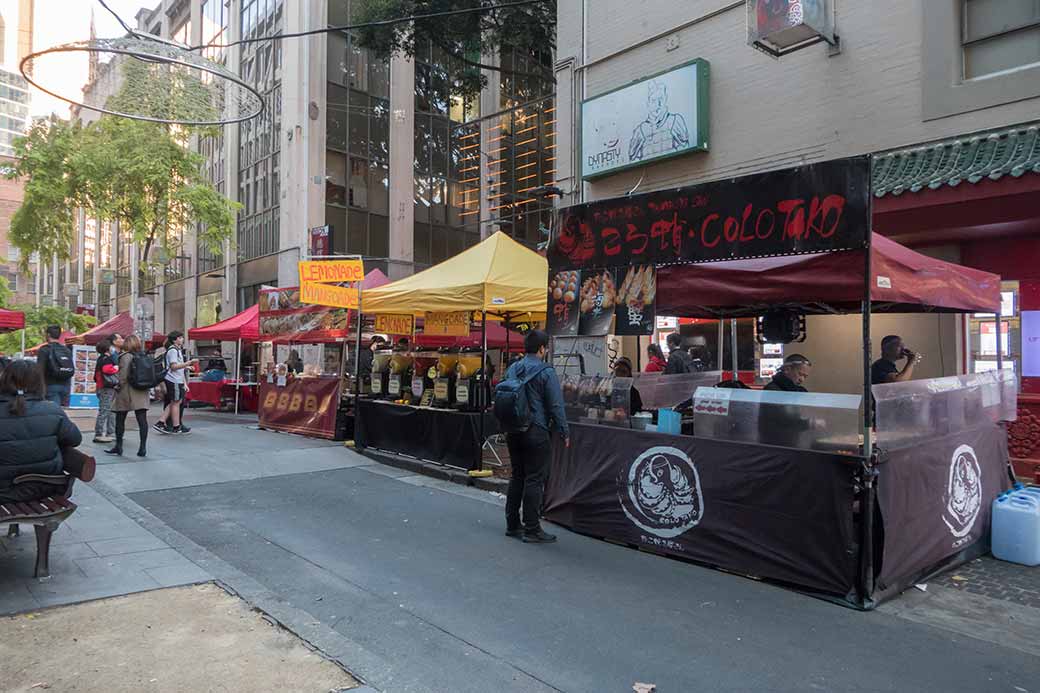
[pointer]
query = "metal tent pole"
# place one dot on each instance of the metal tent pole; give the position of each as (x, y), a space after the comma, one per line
(238, 374)
(1000, 346)
(869, 469)
(722, 345)
(733, 348)
(485, 386)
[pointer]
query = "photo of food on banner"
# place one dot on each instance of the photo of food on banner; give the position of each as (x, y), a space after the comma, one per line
(635, 308)
(597, 299)
(562, 320)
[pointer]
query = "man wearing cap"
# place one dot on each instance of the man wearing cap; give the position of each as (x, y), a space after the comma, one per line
(791, 375)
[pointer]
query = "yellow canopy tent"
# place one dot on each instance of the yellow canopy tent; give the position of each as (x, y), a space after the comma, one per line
(498, 275)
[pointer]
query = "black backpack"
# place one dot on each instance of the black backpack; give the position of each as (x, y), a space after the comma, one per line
(145, 372)
(512, 409)
(59, 362)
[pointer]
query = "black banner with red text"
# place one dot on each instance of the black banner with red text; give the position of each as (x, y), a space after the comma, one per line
(821, 207)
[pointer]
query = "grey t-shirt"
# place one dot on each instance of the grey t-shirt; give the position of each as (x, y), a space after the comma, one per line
(174, 356)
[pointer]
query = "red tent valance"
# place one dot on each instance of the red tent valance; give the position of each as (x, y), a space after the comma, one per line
(11, 320)
(901, 281)
(244, 326)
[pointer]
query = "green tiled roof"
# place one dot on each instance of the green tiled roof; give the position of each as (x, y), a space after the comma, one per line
(1006, 152)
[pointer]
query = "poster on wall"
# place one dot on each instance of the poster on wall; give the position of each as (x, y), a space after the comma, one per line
(988, 338)
(634, 312)
(660, 116)
(562, 319)
(283, 317)
(84, 390)
(1031, 343)
(597, 299)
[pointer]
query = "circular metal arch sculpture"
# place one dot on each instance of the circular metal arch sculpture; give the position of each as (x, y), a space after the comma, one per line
(161, 82)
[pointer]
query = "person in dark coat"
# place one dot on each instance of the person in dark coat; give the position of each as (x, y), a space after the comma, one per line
(679, 360)
(33, 432)
(782, 424)
(791, 375)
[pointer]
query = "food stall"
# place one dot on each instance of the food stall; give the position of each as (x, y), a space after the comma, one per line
(788, 486)
(495, 281)
(244, 330)
(318, 400)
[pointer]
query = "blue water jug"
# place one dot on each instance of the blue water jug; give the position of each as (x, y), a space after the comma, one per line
(1016, 527)
(669, 421)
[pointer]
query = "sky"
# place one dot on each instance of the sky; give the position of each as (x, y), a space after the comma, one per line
(64, 21)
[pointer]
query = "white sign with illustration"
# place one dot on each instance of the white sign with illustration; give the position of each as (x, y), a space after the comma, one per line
(656, 117)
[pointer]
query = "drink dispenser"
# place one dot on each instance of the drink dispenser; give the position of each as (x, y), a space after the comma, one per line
(424, 368)
(469, 383)
(444, 383)
(380, 373)
(400, 366)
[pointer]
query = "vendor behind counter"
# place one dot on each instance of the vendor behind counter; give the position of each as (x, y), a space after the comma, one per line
(781, 424)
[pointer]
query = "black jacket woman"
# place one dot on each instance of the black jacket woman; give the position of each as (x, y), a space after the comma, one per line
(33, 433)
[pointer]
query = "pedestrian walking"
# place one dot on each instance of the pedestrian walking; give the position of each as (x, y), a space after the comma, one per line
(106, 380)
(656, 362)
(176, 385)
(129, 398)
(55, 362)
(529, 406)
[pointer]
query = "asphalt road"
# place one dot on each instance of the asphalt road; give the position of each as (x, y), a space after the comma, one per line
(424, 578)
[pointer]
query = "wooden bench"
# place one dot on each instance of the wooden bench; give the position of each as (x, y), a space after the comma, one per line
(46, 514)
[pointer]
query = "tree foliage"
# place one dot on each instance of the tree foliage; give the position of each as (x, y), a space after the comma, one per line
(528, 30)
(139, 174)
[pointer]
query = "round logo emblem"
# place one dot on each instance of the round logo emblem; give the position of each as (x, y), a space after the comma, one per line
(963, 492)
(660, 492)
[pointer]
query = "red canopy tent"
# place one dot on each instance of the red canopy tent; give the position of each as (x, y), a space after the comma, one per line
(496, 339)
(244, 326)
(902, 281)
(11, 320)
(123, 323)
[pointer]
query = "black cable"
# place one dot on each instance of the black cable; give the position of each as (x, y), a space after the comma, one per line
(383, 22)
(118, 18)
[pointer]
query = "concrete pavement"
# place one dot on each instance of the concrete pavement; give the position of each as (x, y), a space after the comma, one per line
(410, 583)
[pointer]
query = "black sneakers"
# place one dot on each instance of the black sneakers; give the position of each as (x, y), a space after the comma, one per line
(515, 533)
(539, 537)
(160, 427)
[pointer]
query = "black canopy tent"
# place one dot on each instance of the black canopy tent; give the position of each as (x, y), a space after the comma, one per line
(797, 238)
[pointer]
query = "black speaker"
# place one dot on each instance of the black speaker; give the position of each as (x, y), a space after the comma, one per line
(781, 326)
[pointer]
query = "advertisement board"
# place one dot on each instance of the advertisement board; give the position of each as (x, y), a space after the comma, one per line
(455, 324)
(659, 116)
(390, 323)
(302, 405)
(284, 317)
(84, 390)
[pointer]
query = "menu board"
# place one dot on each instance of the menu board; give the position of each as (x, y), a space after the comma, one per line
(598, 298)
(635, 307)
(562, 319)
(988, 338)
(84, 390)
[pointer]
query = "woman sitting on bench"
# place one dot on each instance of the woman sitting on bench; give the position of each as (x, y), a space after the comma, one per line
(33, 433)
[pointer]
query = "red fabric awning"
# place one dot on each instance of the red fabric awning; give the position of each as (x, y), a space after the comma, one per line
(244, 326)
(902, 281)
(11, 320)
(496, 339)
(123, 323)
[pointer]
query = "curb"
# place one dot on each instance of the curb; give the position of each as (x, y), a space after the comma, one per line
(434, 470)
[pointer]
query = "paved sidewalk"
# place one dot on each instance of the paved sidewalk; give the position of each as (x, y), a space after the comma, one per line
(98, 552)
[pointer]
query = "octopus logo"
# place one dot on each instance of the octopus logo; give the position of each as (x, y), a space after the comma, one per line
(963, 492)
(660, 492)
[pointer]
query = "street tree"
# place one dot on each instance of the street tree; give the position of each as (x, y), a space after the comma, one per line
(140, 174)
(501, 28)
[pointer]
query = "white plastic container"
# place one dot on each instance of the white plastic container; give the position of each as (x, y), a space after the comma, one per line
(1016, 527)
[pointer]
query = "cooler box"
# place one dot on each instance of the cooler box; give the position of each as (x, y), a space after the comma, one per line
(1016, 526)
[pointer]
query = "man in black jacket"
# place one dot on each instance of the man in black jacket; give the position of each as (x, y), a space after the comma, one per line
(59, 386)
(791, 375)
(679, 360)
(529, 451)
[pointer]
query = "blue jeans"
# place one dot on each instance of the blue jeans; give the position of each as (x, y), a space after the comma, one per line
(59, 393)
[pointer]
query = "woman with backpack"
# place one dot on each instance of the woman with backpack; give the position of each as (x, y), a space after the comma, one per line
(130, 399)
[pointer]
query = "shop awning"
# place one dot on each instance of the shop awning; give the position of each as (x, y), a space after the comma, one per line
(244, 326)
(11, 320)
(498, 275)
(496, 339)
(901, 281)
(123, 323)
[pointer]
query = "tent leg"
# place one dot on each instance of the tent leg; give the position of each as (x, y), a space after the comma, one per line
(485, 390)
(733, 348)
(238, 374)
